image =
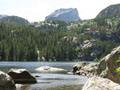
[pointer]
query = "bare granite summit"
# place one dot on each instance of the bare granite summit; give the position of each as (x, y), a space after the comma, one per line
(67, 15)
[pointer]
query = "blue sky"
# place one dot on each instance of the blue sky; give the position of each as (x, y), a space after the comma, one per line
(36, 10)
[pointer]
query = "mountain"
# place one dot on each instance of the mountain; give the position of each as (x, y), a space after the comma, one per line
(67, 15)
(112, 10)
(1, 16)
(13, 20)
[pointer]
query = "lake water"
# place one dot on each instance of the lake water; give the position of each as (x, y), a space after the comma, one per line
(48, 81)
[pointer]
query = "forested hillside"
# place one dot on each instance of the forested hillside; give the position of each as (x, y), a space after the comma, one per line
(13, 20)
(59, 41)
(110, 11)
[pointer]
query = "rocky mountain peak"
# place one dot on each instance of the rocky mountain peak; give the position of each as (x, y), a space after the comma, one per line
(67, 15)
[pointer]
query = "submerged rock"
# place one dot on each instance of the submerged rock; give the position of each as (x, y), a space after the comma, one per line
(98, 83)
(21, 76)
(6, 82)
(49, 69)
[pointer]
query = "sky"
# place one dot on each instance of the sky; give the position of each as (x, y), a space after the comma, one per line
(37, 10)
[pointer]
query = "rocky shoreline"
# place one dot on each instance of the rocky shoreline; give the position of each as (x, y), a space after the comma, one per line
(102, 75)
(15, 78)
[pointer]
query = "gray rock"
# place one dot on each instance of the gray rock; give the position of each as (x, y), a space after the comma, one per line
(85, 68)
(6, 82)
(88, 44)
(67, 15)
(21, 76)
(98, 83)
(108, 65)
(106, 68)
(49, 69)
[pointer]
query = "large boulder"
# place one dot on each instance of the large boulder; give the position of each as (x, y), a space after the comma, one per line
(85, 68)
(49, 69)
(21, 76)
(108, 66)
(98, 83)
(6, 82)
(78, 67)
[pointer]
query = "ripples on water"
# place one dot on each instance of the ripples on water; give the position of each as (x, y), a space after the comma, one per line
(48, 81)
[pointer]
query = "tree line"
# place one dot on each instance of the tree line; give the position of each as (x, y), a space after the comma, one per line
(26, 43)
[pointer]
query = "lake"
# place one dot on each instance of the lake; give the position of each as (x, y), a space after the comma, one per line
(48, 81)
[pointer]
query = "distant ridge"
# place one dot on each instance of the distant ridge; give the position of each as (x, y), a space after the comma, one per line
(112, 10)
(13, 20)
(2, 15)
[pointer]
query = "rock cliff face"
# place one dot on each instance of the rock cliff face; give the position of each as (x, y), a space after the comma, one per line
(110, 11)
(67, 15)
